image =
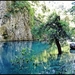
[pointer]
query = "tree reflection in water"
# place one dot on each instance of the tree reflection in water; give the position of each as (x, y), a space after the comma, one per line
(10, 51)
(33, 58)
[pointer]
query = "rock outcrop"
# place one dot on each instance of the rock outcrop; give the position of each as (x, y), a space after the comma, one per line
(15, 27)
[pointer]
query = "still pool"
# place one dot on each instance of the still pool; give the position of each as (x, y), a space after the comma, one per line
(25, 57)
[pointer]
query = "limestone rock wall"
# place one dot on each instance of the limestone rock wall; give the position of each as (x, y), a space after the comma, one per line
(17, 27)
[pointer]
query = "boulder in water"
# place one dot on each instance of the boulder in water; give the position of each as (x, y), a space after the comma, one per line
(72, 46)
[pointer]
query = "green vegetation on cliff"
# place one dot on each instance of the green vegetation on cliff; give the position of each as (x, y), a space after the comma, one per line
(21, 6)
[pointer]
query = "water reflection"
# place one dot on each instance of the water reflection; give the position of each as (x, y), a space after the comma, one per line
(8, 51)
(32, 58)
(64, 64)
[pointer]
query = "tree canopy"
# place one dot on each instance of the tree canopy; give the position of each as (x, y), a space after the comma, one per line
(57, 30)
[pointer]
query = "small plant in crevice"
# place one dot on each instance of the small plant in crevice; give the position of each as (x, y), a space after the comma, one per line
(5, 35)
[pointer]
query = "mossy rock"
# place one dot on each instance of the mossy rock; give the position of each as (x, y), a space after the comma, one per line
(2, 30)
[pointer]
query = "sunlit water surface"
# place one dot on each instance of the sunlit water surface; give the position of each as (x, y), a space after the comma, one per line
(19, 58)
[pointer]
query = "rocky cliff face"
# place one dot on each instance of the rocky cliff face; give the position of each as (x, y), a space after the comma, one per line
(15, 27)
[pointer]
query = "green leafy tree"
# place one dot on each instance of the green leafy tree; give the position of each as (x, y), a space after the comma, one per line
(72, 33)
(57, 30)
(72, 9)
(72, 12)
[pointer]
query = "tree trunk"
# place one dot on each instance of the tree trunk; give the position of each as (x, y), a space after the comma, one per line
(58, 46)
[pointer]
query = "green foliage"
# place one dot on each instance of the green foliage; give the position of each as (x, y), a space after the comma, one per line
(72, 33)
(72, 9)
(5, 36)
(36, 2)
(43, 8)
(51, 17)
(17, 6)
(65, 27)
(31, 14)
(59, 27)
(7, 15)
(54, 27)
(35, 31)
(63, 23)
(73, 20)
(21, 6)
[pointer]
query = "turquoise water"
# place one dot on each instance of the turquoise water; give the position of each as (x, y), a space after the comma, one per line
(9, 50)
(19, 58)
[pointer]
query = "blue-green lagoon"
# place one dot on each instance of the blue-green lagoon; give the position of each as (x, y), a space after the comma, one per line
(32, 57)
